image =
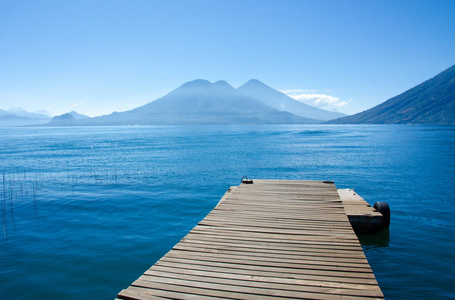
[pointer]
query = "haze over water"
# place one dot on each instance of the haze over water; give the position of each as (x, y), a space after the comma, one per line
(86, 210)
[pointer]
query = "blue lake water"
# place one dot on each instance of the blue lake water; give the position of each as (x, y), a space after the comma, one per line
(85, 211)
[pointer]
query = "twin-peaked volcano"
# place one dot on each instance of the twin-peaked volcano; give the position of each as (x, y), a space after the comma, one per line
(201, 102)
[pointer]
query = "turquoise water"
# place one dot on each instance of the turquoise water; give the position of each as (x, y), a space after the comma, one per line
(85, 211)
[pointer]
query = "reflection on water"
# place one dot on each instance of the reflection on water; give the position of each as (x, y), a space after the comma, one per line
(377, 240)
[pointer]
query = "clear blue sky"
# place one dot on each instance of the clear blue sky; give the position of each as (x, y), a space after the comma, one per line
(99, 56)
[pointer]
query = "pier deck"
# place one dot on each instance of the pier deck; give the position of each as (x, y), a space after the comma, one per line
(273, 239)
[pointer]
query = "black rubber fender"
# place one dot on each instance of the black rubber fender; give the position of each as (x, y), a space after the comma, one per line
(384, 209)
(246, 180)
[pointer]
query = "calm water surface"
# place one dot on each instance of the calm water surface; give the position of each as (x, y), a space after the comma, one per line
(85, 211)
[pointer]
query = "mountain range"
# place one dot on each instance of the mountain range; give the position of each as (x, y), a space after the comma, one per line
(203, 102)
(431, 102)
(20, 117)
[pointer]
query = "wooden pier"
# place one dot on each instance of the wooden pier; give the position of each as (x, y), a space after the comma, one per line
(364, 219)
(272, 239)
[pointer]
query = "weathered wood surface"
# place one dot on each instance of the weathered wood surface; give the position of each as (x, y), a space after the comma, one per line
(269, 240)
(364, 218)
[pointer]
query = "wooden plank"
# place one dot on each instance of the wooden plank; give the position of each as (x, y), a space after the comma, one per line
(270, 240)
(328, 199)
(283, 212)
(139, 293)
(265, 206)
(237, 280)
(259, 208)
(283, 219)
(306, 258)
(275, 221)
(232, 264)
(321, 250)
(245, 237)
(289, 257)
(270, 237)
(290, 281)
(268, 273)
(302, 262)
(217, 223)
(288, 232)
(336, 253)
(274, 225)
(280, 216)
(226, 290)
(302, 195)
(261, 241)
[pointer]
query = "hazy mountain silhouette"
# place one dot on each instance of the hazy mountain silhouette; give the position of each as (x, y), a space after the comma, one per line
(42, 112)
(431, 102)
(20, 112)
(200, 102)
(4, 113)
(20, 117)
(63, 120)
(78, 116)
(282, 102)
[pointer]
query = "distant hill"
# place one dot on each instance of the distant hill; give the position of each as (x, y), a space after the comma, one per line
(13, 120)
(20, 112)
(78, 116)
(20, 117)
(4, 113)
(431, 102)
(63, 120)
(280, 101)
(42, 112)
(200, 102)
